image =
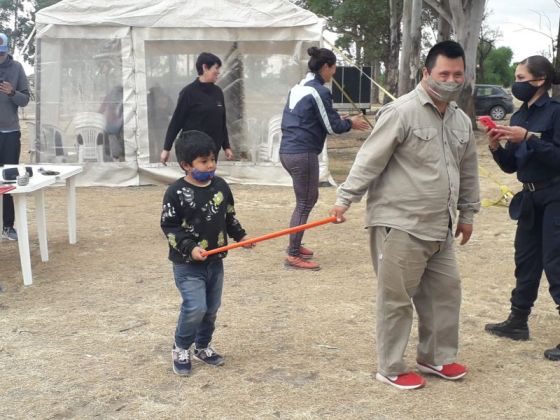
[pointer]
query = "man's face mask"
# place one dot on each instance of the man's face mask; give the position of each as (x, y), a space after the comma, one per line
(444, 91)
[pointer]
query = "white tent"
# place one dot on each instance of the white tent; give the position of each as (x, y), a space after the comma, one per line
(106, 64)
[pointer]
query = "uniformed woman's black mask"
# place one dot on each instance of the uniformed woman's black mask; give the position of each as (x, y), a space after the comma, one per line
(523, 91)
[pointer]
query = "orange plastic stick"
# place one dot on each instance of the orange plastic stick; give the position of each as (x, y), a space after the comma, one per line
(271, 235)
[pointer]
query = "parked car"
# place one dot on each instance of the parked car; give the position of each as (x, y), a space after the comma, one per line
(492, 100)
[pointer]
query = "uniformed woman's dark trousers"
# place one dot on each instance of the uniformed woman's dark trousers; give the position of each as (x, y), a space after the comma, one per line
(538, 249)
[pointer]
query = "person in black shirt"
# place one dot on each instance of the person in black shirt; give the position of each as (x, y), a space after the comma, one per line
(198, 214)
(533, 152)
(201, 107)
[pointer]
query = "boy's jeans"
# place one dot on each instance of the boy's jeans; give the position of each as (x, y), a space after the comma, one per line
(200, 285)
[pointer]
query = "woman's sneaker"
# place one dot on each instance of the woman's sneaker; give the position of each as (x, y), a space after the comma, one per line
(304, 252)
(208, 355)
(300, 263)
(451, 371)
(181, 361)
(409, 380)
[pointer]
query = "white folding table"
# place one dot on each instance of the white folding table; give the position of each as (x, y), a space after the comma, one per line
(37, 184)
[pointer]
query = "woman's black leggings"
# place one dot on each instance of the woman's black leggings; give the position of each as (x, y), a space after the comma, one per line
(304, 170)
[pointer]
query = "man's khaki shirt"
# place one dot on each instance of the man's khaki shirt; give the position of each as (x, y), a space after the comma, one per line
(418, 168)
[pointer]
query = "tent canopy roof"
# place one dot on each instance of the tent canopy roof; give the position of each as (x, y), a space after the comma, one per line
(178, 14)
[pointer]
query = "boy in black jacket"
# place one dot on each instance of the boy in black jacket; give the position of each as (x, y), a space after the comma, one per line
(198, 214)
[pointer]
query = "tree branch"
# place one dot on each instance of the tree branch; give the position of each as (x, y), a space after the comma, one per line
(436, 5)
(457, 10)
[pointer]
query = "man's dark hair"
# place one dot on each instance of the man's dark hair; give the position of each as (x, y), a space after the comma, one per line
(193, 144)
(449, 49)
(207, 58)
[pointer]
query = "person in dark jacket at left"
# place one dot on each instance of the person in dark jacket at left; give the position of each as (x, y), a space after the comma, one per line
(14, 93)
(201, 107)
(307, 119)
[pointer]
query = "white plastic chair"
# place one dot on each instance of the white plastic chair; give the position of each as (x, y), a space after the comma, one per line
(51, 144)
(90, 136)
(270, 150)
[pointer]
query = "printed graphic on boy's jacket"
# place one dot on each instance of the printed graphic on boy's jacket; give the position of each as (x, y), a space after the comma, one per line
(186, 195)
(168, 211)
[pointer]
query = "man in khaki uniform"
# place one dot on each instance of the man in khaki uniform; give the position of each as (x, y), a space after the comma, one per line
(418, 167)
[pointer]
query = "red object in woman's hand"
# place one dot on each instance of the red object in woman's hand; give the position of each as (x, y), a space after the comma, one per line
(487, 122)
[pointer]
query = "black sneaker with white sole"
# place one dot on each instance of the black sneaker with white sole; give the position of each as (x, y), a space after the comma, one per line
(181, 361)
(208, 355)
(9, 233)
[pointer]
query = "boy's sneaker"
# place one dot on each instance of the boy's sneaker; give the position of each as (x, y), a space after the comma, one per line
(208, 355)
(181, 361)
(409, 380)
(9, 233)
(300, 263)
(452, 371)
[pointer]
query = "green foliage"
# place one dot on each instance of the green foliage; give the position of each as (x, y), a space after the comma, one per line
(363, 25)
(41, 4)
(17, 20)
(498, 69)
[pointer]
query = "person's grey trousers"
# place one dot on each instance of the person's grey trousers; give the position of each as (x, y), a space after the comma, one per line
(424, 273)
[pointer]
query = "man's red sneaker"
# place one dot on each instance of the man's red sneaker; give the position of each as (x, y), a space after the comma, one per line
(409, 380)
(452, 371)
(300, 263)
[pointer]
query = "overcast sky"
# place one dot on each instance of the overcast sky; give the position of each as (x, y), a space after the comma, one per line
(520, 21)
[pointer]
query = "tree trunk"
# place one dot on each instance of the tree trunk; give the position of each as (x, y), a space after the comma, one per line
(444, 27)
(376, 74)
(416, 40)
(467, 20)
(404, 68)
(15, 32)
(394, 47)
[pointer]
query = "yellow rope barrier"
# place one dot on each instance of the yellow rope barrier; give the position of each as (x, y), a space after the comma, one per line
(506, 193)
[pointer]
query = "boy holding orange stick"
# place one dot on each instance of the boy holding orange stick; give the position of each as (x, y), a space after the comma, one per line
(198, 214)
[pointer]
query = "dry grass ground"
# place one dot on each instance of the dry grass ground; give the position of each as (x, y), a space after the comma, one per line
(92, 337)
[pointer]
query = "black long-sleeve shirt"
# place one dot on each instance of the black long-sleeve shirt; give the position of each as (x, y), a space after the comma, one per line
(198, 216)
(534, 160)
(200, 107)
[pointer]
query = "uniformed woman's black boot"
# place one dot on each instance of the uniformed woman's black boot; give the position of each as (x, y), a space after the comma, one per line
(553, 354)
(515, 327)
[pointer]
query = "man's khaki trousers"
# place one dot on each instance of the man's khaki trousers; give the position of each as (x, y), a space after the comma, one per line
(424, 273)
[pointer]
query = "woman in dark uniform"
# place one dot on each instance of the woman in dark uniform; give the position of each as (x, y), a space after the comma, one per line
(532, 151)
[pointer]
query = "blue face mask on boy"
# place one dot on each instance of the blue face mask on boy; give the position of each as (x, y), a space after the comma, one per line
(202, 176)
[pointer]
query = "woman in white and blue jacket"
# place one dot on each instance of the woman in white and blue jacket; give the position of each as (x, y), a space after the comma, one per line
(307, 119)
